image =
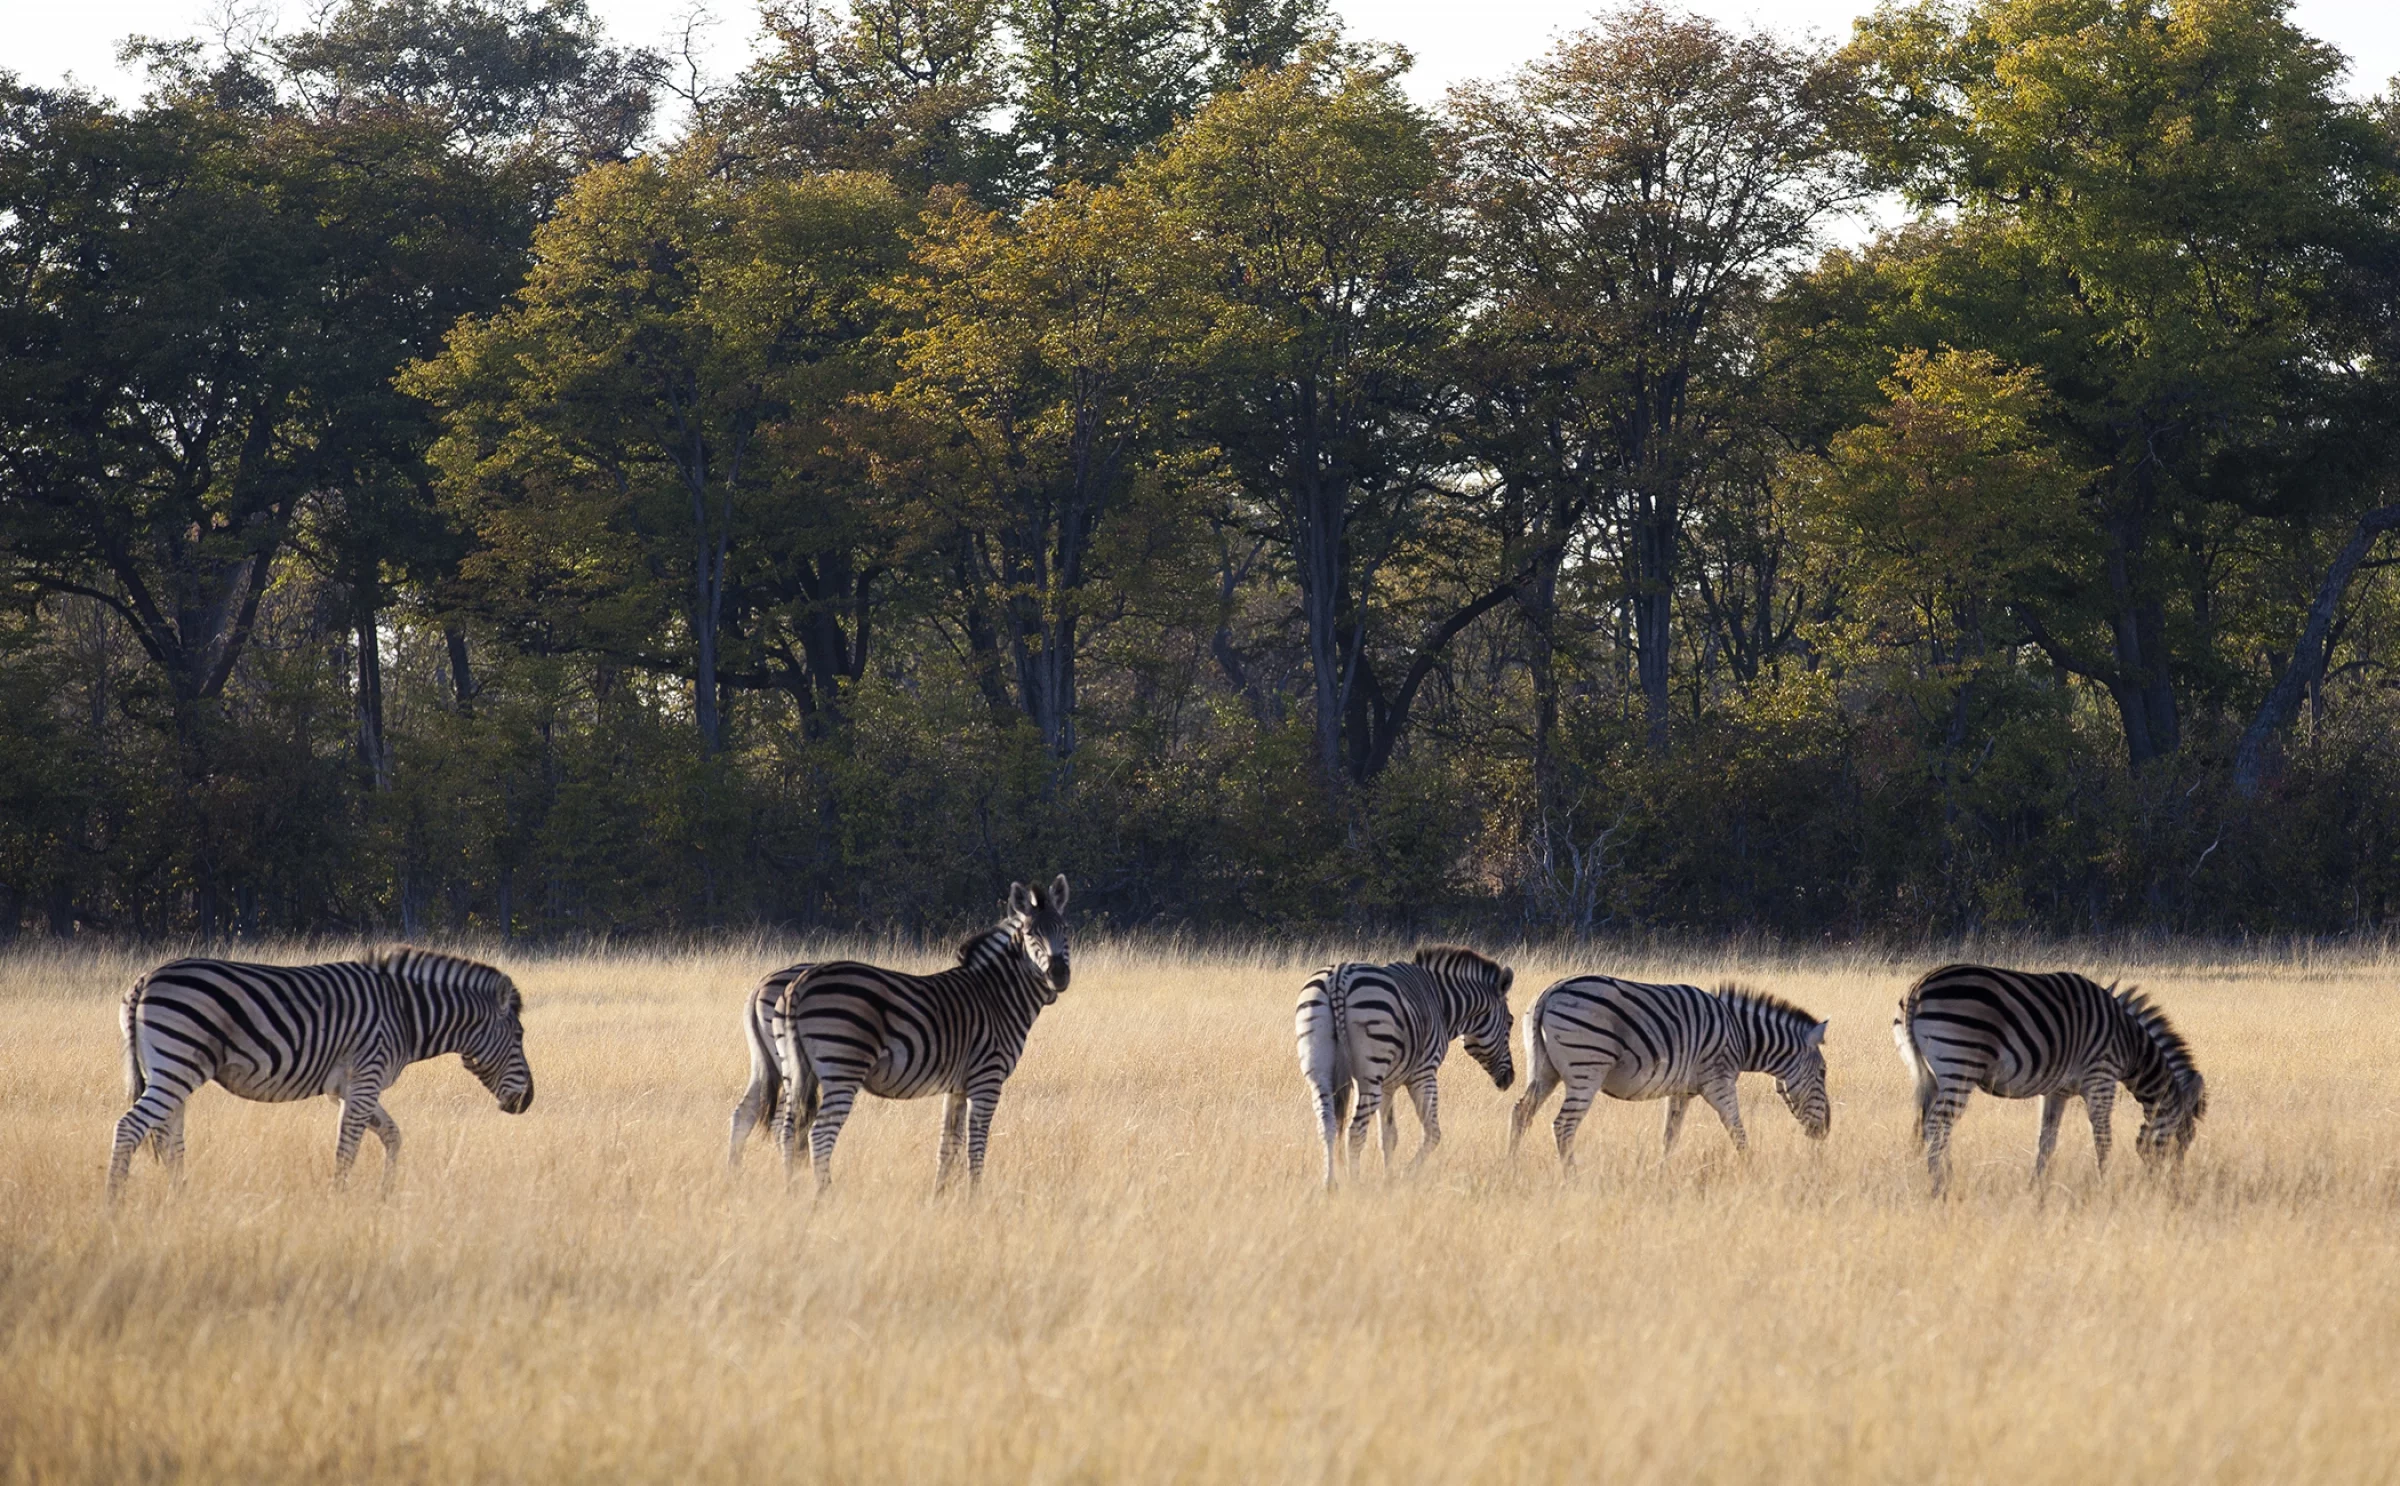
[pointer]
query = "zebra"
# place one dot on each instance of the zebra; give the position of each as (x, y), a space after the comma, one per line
(281, 1032)
(2060, 1035)
(762, 1101)
(1597, 1034)
(844, 1026)
(1362, 1029)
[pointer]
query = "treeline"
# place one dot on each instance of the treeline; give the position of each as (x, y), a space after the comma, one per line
(1132, 437)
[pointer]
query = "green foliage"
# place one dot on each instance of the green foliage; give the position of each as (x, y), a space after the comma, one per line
(1003, 436)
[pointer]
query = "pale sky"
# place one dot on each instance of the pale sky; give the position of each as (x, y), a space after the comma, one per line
(43, 41)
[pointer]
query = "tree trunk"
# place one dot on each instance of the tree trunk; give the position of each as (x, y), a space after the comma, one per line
(373, 755)
(1653, 617)
(462, 675)
(2309, 657)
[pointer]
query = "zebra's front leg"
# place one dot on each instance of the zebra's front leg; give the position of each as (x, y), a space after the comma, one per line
(1391, 1129)
(1676, 1105)
(2054, 1108)
(981, 1102)
(1426, 1095)
(2100, 1101)
(1725, 1099)
(954, 1136)
(386, 1130)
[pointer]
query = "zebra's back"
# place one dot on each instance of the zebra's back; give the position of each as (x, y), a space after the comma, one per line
(1371, 1024)
(265, 1032)
(904, 1035)
(2012, 1033)
(1645, 1041)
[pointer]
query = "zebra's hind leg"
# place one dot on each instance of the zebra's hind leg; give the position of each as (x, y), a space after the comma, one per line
(758, 1106)
(1365, 1102)
(1426, 1095)
(386, 1130)
(1391, 1128)
(1949, 1097)
(1331, 1097)
(156, 1119)
(1541, 1076)
(2054, 1108)
(833, 1111)
(358, 1112)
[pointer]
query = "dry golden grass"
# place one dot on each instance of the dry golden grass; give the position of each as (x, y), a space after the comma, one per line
(1150, 1285)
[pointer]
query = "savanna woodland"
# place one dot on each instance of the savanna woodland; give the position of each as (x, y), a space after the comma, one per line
(1703, 480)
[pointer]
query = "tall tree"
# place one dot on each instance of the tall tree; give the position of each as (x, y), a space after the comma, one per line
(1315, 192)
(2152, 200)
(1049, 360)
(1635, 192)
(660, 388)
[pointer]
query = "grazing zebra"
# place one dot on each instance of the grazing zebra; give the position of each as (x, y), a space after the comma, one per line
(1597, 1034)
(280, 1032)
(1364, 1029)
(762, 1102)
(844, 1026)
(2059, 1035)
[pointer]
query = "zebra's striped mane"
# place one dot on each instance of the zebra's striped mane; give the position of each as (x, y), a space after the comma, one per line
(1457, 957)
(1739, 996)
(990, 946)
(407, 962)
(2172, 1049)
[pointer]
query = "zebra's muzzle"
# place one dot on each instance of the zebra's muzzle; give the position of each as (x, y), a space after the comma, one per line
(517, 1101)
(1059, 972)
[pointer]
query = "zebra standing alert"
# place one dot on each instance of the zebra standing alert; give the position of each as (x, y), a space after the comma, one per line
(2061, 1035)
(281, 1032)
(1597, 1034)
(1365, 1031)
(844, 1026)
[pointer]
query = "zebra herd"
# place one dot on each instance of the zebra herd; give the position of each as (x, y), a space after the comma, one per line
(821, 1033)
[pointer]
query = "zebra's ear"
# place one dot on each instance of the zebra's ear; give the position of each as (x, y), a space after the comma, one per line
(1058, 893)
(1020, 899)
(1816, 1034)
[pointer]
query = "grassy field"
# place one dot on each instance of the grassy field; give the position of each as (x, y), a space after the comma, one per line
(1150, 1286)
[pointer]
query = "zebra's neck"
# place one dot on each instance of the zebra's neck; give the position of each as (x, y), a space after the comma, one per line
(434, 1020)
(1763, 1040)
(998, 955)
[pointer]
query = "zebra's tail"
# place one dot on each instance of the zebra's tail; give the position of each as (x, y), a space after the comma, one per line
(1918, 1068)
(128, 1021)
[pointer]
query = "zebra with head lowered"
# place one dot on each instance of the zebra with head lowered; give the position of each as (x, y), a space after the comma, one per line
(281, 1032)
(1367, 1031)
(843, 1027)
(761, 1106)
(1597, 1034)
(2060, 1035)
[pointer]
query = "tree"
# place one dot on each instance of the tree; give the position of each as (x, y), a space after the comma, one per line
(1634, 194)
(1050, 361)
(663, 385)
(1314, 190)
(2154, 198)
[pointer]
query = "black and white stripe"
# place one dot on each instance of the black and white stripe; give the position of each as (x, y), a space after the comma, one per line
(1597, 1034)
(844, 1027)
(283, 1032)
(1367, 1031)
(762, 1101)
(2058, 1036)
